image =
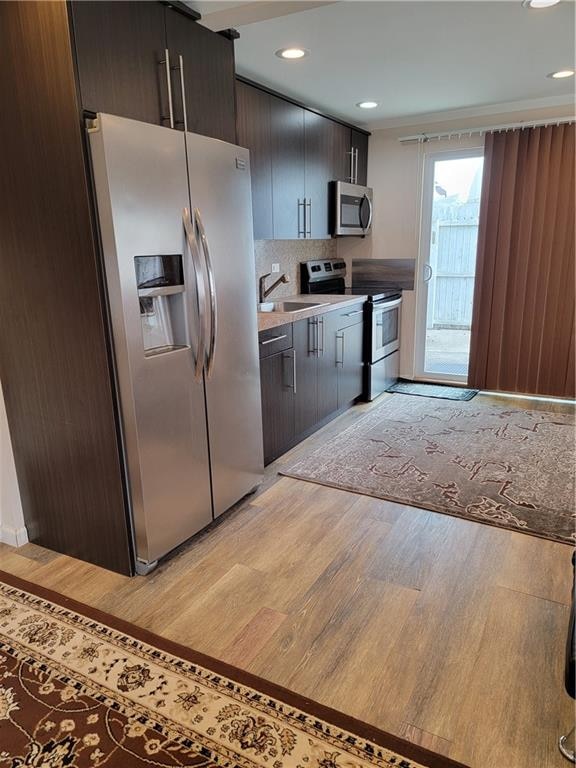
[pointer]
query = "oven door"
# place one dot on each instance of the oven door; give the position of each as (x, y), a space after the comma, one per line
(385, 328)
(353, 209)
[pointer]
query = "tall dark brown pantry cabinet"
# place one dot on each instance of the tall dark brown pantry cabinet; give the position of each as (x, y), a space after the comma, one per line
(56, 357)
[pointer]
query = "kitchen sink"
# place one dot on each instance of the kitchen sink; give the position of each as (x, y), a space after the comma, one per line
(289, 306)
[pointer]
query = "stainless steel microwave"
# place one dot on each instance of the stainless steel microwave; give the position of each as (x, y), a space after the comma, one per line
(351, 212)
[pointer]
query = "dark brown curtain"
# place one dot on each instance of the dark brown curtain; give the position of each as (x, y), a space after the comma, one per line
(523, 316)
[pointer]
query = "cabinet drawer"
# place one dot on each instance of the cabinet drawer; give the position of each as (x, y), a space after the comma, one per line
(275, 340)
(351, 315)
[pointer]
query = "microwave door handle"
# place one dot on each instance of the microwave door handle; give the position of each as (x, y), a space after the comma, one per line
(200, 293)
(211, 291)
(367, 200)
(371, 212)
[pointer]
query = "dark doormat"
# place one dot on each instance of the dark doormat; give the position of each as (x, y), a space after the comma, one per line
(432, 390)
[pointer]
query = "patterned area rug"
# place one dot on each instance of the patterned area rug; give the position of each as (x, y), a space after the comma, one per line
(432, 390)
(488, 463)
(80, 689)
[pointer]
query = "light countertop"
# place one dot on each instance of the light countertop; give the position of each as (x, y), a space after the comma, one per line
(328, 302)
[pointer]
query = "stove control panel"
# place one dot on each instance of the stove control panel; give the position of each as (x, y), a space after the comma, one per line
(314, 271)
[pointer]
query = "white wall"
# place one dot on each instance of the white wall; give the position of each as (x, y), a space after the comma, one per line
(395, 173)
(12, 529)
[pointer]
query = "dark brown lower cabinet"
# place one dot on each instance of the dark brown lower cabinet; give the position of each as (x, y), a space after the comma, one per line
(327, 374)
(306, 411)
(278, 403)
(314, 372)
(349, 363)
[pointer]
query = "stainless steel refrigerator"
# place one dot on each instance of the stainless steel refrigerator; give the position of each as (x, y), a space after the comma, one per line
(176, 228)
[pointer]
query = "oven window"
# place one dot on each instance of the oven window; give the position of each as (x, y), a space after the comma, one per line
(387, 327)
(350, 211)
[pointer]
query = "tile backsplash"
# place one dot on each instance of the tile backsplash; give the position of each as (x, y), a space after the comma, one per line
(289, 254)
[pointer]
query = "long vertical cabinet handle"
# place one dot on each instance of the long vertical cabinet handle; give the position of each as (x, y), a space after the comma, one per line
(321, 343)
(351, 153)
(355, 150)
(291, 354)
(200, 292)
(302, 230)
(340, 337)
(183, 90)
(166, 62)
(211, 292)
(313, 332)
(308, 208)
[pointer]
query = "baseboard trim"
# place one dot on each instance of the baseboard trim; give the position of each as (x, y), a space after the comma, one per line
(16, 537)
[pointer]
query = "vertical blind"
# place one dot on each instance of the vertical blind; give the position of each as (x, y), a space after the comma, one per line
(523, 317)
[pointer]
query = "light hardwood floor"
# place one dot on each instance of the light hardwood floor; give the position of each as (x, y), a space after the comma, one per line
(441, 630)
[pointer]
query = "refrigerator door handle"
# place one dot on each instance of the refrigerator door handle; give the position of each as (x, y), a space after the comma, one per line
(183, 92)
(165, 62)
(211, 291)
(200, 292)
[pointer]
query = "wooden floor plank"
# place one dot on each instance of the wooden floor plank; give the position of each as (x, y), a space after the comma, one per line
(527, 568)
(424, 739)
(514, 706)
(253, 637)
(427, 671)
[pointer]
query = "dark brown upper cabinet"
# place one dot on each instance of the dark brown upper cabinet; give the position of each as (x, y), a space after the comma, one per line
(294, 154)
(203, 71)
(254, 132)
(119, 47)
(341, 151)
(359, 146)
(319, 170)
(123, 68)
(287, 131)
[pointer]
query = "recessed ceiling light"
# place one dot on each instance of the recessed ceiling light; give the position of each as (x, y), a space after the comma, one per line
(291, 53)
(367, 104)
(561, 74)
(539, 3)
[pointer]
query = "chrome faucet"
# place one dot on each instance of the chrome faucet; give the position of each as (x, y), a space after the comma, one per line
(264, 292)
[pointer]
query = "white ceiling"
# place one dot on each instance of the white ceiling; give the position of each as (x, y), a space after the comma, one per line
(411, 57)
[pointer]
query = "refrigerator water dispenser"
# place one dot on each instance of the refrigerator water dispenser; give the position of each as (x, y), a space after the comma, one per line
(160, 283)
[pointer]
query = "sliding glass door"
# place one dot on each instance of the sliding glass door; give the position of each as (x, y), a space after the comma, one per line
(447, 264)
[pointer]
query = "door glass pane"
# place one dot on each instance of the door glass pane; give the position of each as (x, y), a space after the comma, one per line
(389, 327)
(453, 239)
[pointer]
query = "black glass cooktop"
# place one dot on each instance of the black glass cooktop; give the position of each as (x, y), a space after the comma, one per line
(374, 293)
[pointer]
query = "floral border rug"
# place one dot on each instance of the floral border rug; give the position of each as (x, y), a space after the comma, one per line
(479, 460)
(80, 689)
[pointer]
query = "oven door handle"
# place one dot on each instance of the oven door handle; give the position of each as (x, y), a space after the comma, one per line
(384, 307)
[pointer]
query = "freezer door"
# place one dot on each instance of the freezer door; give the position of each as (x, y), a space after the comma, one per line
(219, 178)
(142, 190)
